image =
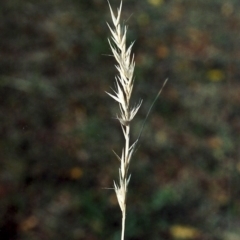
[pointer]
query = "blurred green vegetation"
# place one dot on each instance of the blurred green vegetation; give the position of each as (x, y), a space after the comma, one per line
(58, 129)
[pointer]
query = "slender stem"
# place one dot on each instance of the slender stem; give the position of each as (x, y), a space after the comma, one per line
(127, 140)
(123, 224)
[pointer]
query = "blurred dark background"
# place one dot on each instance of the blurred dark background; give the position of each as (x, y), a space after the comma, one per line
(58, 130)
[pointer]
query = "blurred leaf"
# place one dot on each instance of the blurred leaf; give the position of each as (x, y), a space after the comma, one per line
(215, 75)
(29, 223)
(76, 173)
(183, 232)
(215, 142)
(162, 51)
(156, 2)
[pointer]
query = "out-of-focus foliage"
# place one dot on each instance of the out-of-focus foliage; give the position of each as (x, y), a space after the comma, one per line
(58, 129)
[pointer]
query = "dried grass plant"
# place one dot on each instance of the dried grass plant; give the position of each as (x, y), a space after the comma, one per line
(122, 94)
